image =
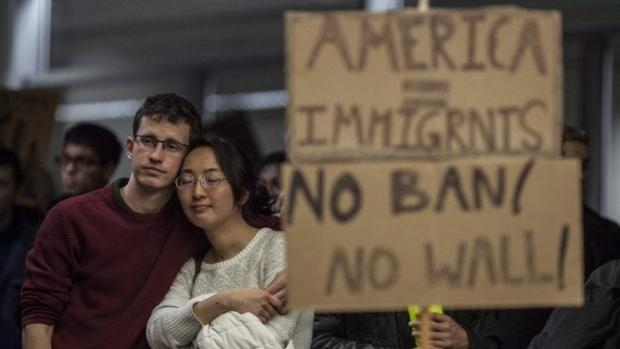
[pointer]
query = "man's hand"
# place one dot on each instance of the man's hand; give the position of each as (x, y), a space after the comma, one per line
(37, 336)
(279, 288)
(445, 333)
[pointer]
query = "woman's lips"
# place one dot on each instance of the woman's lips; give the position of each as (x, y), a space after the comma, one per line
(200, 208)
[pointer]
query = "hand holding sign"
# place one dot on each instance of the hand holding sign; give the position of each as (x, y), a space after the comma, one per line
(443, 332)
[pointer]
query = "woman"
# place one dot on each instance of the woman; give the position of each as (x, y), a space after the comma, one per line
(218, 191)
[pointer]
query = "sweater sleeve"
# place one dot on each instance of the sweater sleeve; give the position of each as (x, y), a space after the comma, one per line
(481, 328)
(172, 323)
(50, 269)
(292, 326)
(274, 257)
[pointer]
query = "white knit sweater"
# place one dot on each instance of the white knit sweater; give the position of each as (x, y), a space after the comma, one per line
(172, 323)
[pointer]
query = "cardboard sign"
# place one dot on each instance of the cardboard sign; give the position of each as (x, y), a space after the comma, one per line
(443, 83)
(26, 120)
(483, 233)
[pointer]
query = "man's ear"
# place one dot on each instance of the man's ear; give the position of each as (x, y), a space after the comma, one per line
(129, 143)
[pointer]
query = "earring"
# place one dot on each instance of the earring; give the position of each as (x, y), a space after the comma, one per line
(129, 156)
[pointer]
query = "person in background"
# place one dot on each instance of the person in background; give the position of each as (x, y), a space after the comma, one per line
(596, 324)
(103, 260)
(18, 226)
(90, 154)
(475, 329)
(269, 171)
(601, 236)
(601, 244)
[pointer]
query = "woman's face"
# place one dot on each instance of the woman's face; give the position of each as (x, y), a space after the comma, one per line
(207, 208)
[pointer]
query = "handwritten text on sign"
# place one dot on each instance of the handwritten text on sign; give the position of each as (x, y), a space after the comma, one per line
(481, 233)
(443, 83)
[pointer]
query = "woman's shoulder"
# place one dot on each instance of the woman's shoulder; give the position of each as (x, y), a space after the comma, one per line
(271, 234)
(271, 239)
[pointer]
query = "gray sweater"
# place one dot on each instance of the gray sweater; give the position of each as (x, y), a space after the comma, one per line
(172, 323)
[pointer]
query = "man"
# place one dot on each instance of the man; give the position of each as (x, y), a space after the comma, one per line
(595, 324)
(89, 157)
(102, 261)
(383, 330)
(18, 225)
(601, 236)
(269, 171)
(601, 244)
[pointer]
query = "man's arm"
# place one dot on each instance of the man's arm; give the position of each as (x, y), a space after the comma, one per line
(329, 333)
(278, 287)
(50, 267)
(470, 329)
(37, 336)
(481, 327)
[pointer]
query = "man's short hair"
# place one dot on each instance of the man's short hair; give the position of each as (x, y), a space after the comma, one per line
(172, 108)
(101, 140)
(573, 134)
(9, 158)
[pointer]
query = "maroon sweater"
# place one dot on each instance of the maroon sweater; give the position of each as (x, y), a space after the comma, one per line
(97, 269)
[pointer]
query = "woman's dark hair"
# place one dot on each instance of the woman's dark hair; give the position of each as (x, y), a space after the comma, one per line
(239, 171)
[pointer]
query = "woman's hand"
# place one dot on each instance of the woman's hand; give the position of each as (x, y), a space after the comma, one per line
(251, 300)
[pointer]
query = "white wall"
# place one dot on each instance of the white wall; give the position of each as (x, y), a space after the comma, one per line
(613, 179)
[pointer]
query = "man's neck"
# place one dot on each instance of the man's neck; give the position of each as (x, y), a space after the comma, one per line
(145, 200)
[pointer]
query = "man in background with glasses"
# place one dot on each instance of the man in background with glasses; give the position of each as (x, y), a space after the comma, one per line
(89, 157)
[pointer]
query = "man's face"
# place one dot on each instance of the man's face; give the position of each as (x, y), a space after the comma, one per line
(575, 149)
(154, 167)
(578, 150)
(8, 188)
(269, 176)
(81, 170)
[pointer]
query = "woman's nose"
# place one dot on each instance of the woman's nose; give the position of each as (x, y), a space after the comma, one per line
(198, 191)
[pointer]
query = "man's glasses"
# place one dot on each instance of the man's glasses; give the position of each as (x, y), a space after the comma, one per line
(150, 143)
(79, 161)
(188, 181)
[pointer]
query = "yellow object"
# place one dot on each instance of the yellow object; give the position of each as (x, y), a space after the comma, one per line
(414, 311)
(414, 315)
